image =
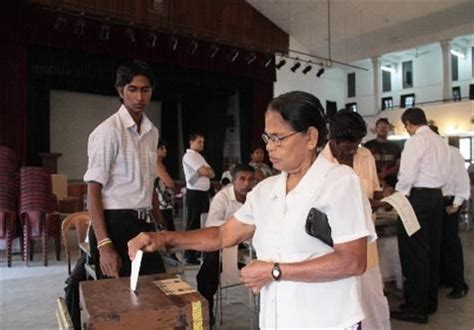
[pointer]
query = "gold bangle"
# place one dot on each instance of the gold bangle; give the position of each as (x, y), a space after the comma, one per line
(103, 240)
(102, 244)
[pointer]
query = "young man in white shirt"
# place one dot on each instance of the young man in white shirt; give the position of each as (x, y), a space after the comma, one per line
(198, 174)
(455, 193)
(424, 169)
(224, 204)
(120, 176)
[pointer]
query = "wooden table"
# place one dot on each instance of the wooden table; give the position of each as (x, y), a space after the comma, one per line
(110, 304)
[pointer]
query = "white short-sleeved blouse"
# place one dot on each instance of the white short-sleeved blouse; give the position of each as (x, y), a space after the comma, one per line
(280, 237)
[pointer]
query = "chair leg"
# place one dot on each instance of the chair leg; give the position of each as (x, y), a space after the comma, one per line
(26, 241)
(9, 243)
(32, 249)
(45, 242)
(57, 242)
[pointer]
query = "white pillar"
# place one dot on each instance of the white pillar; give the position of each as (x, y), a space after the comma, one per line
(376, 78)
(447, 83)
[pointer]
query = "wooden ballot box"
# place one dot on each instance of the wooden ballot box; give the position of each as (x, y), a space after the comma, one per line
(110, 304)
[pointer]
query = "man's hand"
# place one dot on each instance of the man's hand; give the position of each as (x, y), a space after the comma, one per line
(256, 275)
(110, 262)
(451, 209)
(148, 242)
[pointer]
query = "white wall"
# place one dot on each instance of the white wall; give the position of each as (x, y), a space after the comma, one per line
(73, 116)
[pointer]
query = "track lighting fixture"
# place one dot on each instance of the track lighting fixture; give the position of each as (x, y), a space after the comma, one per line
(320, 72)
(151, 39)
(174, 43)
(60, 23)
(194, 46)
(307, 68)
(104, 32)
(79, 27)
(280, 64)
(251, 58)
(234, 55)
(130, 36)
(268, 60)
(296, 65)
(213, 50)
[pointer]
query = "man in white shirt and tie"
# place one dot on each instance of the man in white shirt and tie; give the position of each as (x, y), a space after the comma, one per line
(224, 204)
(424, 169)
(198, 174)
(455, 193)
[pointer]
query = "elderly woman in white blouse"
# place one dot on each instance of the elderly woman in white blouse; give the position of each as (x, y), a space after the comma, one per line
(304, 280)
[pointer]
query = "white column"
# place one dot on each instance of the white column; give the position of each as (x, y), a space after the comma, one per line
(376, 79)
(447, 83)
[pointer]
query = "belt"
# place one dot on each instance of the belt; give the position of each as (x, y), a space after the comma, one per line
(139, 214)
(425, 189)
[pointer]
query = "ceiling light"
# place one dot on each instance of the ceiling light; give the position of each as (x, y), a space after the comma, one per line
(174, 43)
(307, 68)
(104, 32)
(194, 46)
(250, 58)
(234, 55)
(280, 64)
(320, 72)
(458, 54)
(295, 66)
(79, 27)
(388, 69)
(151, 39)
(268, 60)
(60, 23)
(213, 50)
(130, 36)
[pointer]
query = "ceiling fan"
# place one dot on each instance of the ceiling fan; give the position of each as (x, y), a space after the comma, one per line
(418, 52)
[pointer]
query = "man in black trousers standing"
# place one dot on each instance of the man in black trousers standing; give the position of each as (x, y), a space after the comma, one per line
(424, 169)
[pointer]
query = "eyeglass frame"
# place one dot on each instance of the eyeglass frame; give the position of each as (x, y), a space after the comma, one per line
(275, 138)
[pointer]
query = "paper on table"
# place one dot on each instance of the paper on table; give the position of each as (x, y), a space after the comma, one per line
(403, 207)
(136, 263)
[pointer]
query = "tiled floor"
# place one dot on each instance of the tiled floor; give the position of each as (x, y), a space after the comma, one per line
(28, 297)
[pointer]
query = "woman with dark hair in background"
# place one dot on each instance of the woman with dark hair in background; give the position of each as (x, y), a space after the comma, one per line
(164, 185)
(306, 277)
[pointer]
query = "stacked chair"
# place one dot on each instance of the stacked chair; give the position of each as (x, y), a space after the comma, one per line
(8, 194)
(38, 211)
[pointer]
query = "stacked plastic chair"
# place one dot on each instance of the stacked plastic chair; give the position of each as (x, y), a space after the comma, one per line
(38, 211)
(8, 195)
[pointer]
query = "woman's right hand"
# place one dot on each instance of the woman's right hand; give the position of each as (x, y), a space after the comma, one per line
(147, 242)
(110, 262)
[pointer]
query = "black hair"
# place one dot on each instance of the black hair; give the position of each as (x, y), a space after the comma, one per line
(434, 128)
(301, 110)
(162, 143)
(127, 71)
(347, 125)
(382, 120)
(256, 147)
(241, 168)
(194, 135)
(415, 116)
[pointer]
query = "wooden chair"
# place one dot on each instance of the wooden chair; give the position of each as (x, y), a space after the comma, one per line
(62, 315)
(80, 221)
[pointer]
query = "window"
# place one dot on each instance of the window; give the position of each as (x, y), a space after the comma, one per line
(386, 80)
(407, 71)
(331, 108)
(352, 106)
(454, 68)
(456, 93)
(465, 148)
(407, 101)
(387, 103)
(351, 84)
(472, 60)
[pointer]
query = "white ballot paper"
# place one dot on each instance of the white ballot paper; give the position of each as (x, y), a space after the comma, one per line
(136, 263)
(403, 207)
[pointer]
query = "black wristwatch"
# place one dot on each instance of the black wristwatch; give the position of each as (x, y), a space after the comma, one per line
(276, 271)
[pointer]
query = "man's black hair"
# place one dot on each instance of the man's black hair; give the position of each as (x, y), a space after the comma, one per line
(415, 116)
(240, 168)
(194, 135)
(127, 71)
(347, 125)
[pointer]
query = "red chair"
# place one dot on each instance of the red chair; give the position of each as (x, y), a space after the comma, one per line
(8, 232)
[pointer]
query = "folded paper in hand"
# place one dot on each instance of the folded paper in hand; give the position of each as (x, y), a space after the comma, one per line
(136, 263)
(317, 225)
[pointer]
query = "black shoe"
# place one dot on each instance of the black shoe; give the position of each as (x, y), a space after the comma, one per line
(193, 261)
(458, 293)
(406, 315)
(404, 307)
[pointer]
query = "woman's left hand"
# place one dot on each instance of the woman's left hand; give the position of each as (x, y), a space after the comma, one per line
(256, 275)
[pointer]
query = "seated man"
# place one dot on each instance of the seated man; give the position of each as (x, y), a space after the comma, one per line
(226, 202)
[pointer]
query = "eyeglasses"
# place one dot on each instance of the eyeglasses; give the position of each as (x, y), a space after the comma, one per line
(275, 138)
